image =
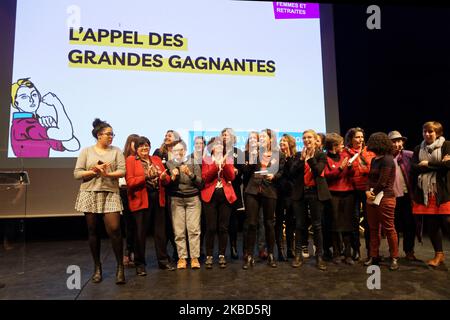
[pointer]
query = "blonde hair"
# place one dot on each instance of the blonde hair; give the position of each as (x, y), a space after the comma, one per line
(25, 82)
(435, 126)
(312, 132)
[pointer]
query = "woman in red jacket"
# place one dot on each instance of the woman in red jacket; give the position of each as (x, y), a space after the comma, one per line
(146, 177)
(218, 195)
(128, 218)
(354, 140)
(339, 178)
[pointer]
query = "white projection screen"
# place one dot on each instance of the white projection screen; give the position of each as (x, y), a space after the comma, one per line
(194, 66)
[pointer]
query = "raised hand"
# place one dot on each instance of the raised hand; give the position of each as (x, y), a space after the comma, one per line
(51, 99)
(47, 121)
(344, 163)
(185, 169)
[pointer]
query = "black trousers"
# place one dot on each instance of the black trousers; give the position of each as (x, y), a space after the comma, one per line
(217, 213)
(284, 215)
(253, 203)
(436, 223)
(310, 201)
(129, 223)
(327, 226)
(155, 214)
(405, 222)
(360, 211)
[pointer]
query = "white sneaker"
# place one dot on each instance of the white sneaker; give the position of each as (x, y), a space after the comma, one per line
(305, 252)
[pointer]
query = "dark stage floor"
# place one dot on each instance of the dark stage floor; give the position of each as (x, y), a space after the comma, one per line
(37, 270)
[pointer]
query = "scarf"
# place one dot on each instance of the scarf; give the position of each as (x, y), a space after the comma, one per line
(427, 181)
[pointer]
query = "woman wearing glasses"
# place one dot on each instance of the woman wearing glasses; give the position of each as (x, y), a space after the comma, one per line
(184, 191)
(146, 177)
(99, 167)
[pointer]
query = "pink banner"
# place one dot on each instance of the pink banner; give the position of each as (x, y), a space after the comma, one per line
(293, 10)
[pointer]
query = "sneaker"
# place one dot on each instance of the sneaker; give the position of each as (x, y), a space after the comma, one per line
(182, 264)
(320, 264)
(140, 271)
(372, 261)
(337, 260)
(298, 262)
(195, 264)
(394, 264)
(222, 262)
(305, 252)
(209, 262)
(349, 261)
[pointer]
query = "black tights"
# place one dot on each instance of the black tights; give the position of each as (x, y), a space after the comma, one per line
(436, 223)
(112, 225)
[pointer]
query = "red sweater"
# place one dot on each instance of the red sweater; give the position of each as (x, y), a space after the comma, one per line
(361, 167)
(337, 179)
(137, 189)
(210, 177)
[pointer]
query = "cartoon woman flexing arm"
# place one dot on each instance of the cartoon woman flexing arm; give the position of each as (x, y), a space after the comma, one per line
(34, 134)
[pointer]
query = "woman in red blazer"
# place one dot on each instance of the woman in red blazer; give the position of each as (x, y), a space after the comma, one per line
(218, 195)
(146, 177)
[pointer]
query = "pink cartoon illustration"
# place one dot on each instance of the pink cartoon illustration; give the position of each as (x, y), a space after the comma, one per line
(34, 131)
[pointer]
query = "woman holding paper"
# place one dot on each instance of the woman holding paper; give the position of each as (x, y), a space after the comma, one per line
(381, 198)
(218, 196)
(263, 171)
(431, 181)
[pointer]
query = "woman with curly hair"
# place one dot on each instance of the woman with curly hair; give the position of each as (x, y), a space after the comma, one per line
(381, 185)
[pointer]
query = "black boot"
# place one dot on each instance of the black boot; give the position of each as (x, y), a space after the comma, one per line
(298, 261)
(356, 255)
(97, 276)
(271, 261)
(282, 256)
(234, 253)
(290, 241)
(120, 274)
(249, 262)
(320, 264)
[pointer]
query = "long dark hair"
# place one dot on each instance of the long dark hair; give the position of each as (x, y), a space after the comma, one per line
(351, 134)
(127, 151)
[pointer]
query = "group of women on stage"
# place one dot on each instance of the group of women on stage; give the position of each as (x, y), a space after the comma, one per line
(326, 188)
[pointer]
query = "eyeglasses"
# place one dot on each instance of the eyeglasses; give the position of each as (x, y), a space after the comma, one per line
(109, 134)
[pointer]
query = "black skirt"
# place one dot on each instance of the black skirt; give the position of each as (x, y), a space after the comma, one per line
(342, 208)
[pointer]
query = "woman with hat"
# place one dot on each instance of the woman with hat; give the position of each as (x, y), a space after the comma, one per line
(404, 219)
